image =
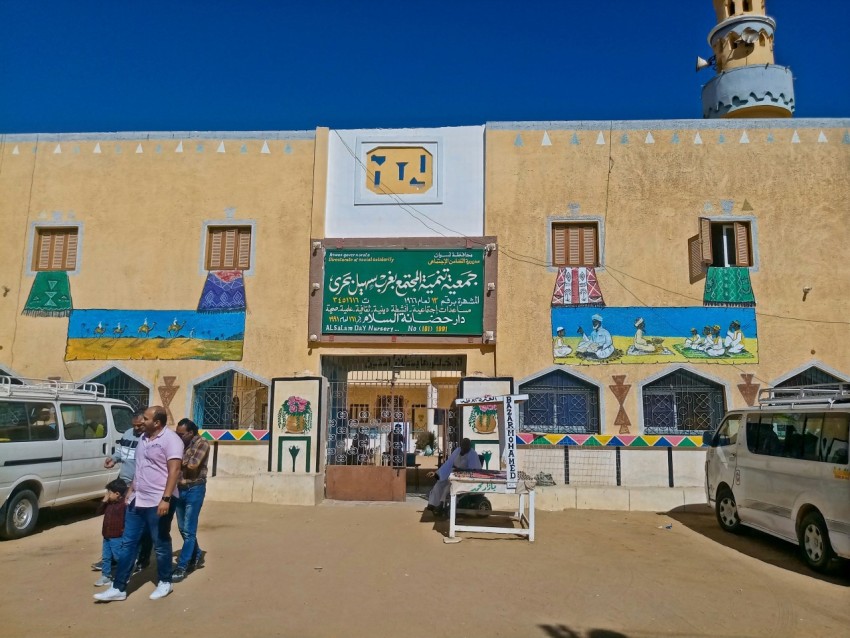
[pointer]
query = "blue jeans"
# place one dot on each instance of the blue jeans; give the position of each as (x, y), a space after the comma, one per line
(137, 520)
(111, 552)
(188, 509)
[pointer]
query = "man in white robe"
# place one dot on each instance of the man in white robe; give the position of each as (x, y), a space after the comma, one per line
(599, 343)
(734, 341)
(462, 458)
(694, 341)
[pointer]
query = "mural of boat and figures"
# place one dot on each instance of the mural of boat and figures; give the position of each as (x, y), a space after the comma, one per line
(592, 336)
(155, 334)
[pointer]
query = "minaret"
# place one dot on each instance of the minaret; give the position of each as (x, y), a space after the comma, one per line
(748, 83)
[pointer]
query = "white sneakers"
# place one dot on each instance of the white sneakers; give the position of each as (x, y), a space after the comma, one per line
(103, 581)
(162, 590)
(111, 594)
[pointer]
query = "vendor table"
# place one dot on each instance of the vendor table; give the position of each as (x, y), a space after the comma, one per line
(492, 482)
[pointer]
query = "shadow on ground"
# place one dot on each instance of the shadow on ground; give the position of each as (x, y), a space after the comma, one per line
(758, 545)
(562, 631)
(51, 517)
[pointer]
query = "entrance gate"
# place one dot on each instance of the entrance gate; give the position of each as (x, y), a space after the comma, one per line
(380, 414)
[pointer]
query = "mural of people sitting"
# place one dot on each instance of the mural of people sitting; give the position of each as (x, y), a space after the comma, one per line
(624, 338)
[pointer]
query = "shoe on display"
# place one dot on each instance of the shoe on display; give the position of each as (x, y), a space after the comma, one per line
(162, 590)
(103, 581)
(111, 594)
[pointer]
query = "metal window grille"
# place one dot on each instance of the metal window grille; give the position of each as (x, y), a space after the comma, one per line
(124, 387)
(231, 400)
(810, 376)
(559, 403)
(682, 403)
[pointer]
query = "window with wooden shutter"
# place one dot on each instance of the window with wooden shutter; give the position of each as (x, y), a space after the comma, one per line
(575, 244)
(229, 248)
(719, 244)
(55, 249)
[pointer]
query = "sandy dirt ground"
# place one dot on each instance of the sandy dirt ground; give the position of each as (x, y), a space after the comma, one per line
(384, 570)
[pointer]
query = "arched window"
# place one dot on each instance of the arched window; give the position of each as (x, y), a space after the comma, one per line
(124, 387)
(746, 5)
(230, 400)
(730, 8)
(810, 376)
(682, 403)
(559, 403)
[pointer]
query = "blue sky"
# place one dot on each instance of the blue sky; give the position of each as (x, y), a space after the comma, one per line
(73, 66)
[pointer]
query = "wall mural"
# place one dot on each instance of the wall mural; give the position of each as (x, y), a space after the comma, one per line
(155, 334)
(593, 336)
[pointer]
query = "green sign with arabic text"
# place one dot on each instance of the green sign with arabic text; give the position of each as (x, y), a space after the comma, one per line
(403, 292)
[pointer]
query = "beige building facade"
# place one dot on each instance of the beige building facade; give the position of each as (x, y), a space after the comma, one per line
(578, 262)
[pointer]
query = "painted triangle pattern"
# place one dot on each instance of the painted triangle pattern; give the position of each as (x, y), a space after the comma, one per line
(248, 436)
(546, 141)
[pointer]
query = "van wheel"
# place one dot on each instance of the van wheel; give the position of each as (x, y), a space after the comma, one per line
(484, 508)
(814, 542)
(727, 511)
(21, 515)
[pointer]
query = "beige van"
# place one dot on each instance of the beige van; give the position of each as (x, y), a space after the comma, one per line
(54, 437)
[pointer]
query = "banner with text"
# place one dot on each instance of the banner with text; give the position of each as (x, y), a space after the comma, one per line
(403, 292)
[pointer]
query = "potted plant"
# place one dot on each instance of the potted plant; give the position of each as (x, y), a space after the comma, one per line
(295, 416)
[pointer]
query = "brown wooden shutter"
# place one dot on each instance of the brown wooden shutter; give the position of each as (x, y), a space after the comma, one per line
(697, 267)
(71, 250)
(244, 260)
(214, 240)
(589, 246)
(559, 245)
(705, 239)
(45, 243)
(742, 244)
(229, 260)
(57, 254)
(573, 246)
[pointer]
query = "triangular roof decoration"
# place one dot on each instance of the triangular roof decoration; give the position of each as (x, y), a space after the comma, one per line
(795, 139)
(220, 148)
(546, 141)
(649, 139)
(97, 148)
(600, 139)
(57, 150)
(179, 148)
(697, 138)
(744, 138)
(265, 150)
(139, 149)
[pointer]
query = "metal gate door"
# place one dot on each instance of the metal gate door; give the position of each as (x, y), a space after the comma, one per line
(380, 412)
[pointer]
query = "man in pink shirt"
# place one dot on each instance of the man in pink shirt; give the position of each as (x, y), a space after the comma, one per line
(158, 458)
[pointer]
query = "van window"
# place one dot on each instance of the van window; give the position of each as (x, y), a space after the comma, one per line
(27, 422)
(727, 434)
(811, 437)
(122, 418)
(775, 434)
(82, 421)
(834, 438)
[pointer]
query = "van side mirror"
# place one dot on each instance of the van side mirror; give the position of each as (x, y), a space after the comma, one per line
(708, 438)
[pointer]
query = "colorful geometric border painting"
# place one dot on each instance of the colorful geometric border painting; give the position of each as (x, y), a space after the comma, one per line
(610, 441)
(244, 436)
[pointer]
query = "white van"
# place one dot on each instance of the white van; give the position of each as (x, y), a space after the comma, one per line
(54, 438)
(781, 467)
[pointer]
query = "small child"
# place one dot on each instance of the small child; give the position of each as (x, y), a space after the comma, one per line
(113, 508)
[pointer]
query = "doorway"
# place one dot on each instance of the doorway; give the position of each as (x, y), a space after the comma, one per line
(389, 417)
